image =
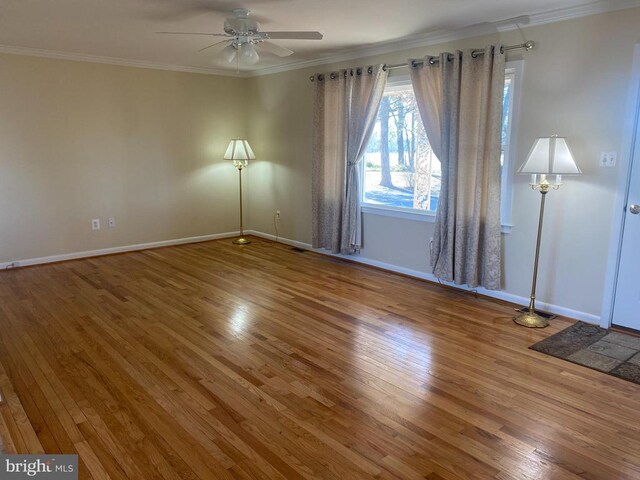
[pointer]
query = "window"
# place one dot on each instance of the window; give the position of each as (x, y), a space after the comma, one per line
(400, 169)
(513, 77)
(401, 172)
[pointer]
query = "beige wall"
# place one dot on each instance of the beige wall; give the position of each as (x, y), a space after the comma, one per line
(80, 141)
(575, 83)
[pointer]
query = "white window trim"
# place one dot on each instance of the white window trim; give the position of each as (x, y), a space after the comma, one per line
(516, 67)
(409, 214)
(397, 82)
(509, 168)
(399, 212)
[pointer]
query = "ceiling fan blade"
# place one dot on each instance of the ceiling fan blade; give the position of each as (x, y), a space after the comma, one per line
(212, 45)
(275, 49)
(294, 35)
(194, 33)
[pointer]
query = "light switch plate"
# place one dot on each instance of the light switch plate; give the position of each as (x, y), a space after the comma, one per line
(608, 159)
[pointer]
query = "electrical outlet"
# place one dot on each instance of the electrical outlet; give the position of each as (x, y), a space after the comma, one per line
(277, 214)
(608, 159)
(95, 224)
(112, 222)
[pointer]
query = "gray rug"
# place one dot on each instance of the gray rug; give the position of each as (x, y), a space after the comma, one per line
(614, 353)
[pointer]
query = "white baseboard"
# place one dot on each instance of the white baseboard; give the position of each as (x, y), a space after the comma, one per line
(286, 241)
(498, 294)
(112, 250)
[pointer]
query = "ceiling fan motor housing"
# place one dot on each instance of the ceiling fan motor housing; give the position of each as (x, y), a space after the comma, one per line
(241, 24)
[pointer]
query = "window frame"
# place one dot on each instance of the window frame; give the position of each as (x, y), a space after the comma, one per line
(514, 68)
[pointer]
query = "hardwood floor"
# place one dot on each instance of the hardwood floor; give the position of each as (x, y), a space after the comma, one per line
(217, 361)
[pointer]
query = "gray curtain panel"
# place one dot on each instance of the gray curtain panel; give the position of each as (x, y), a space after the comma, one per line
(345, 108)
(460, 102)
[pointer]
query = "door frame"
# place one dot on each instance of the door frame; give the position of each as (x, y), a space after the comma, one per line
(629, 141)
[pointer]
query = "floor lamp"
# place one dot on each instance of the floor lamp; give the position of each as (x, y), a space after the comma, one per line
(548, 156)
(240, 152)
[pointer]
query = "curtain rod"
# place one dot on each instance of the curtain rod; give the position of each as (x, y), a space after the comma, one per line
(528, 45)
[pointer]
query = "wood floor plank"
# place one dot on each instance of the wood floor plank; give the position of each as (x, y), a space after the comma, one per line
(216, 361)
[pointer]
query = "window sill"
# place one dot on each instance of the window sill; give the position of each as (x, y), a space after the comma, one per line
(415, 215)
(420, 216)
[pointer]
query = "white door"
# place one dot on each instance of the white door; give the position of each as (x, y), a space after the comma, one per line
(626, 310)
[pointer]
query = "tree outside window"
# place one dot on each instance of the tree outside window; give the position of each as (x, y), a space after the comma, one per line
(400, 169)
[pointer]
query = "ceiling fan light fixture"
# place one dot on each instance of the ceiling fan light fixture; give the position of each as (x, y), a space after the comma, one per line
(229, 53)
(248, 54)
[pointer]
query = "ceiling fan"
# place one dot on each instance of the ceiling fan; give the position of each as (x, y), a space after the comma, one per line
(243, 35)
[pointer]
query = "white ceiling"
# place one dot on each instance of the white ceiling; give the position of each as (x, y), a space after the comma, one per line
(124, 29)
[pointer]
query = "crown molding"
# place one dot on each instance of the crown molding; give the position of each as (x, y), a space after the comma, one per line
(435, 38)
(569, 13)
(81, 57)
(406, 43)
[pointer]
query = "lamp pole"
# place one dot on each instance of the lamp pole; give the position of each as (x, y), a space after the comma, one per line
(241, 240)
(530, 318)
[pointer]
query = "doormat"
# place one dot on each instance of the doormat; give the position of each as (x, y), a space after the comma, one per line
(615, 353)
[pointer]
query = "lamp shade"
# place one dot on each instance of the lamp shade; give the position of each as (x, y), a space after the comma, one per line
(239, 149)
(248, 54)
(550, 156)
(229, 53)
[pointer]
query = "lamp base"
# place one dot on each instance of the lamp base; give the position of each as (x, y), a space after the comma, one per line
(531, 320)
(242, 241)
(542, 313)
